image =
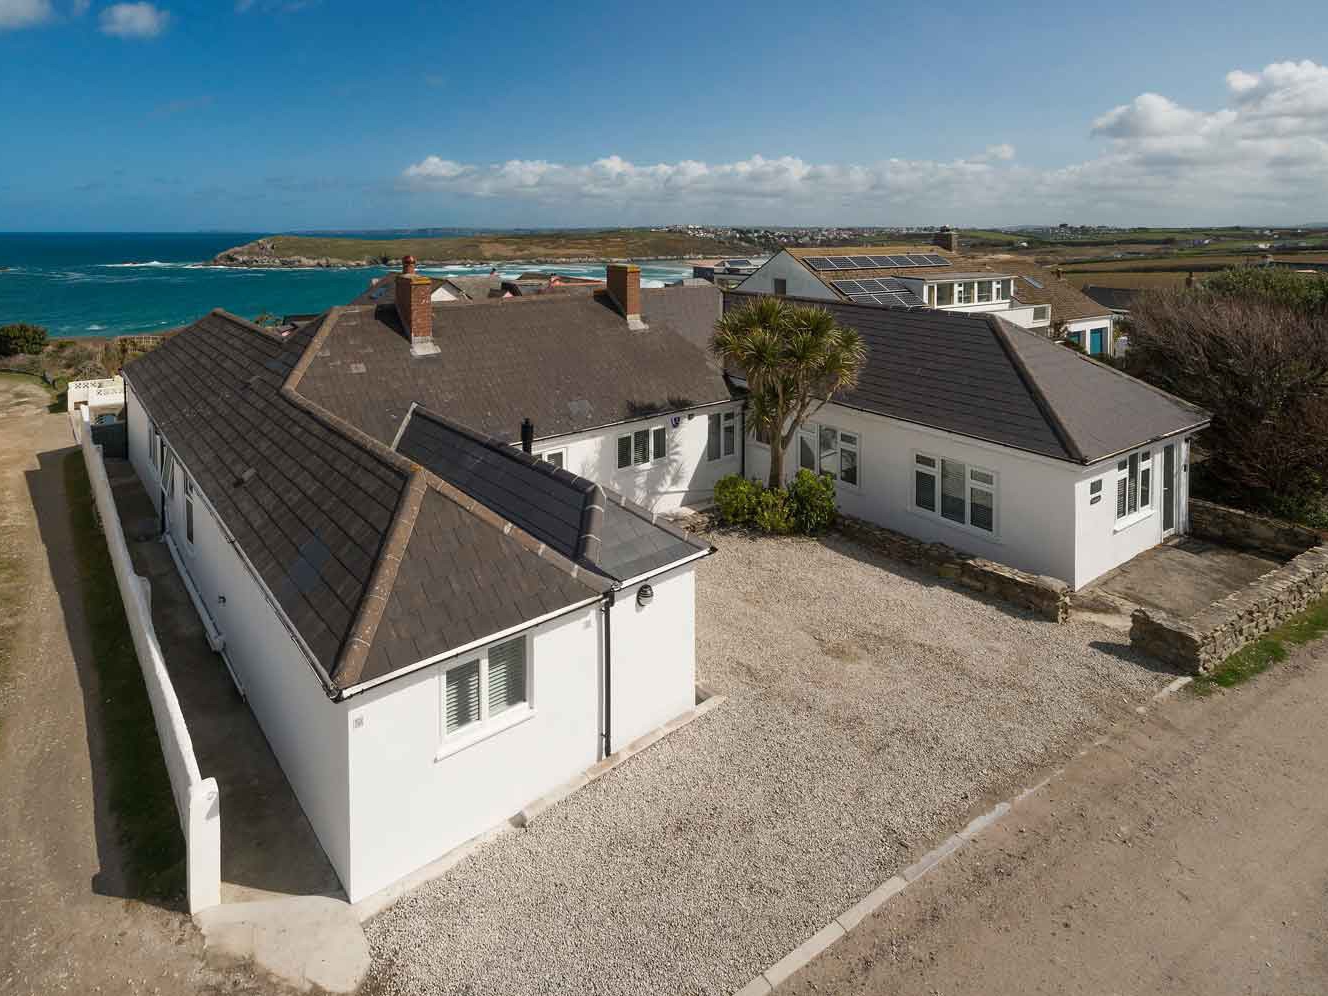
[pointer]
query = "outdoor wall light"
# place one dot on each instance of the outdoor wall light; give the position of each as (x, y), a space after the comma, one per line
(645, 595)
(221, 599)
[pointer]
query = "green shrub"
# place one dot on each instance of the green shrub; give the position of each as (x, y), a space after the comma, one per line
(737, 499)
(811, 502)
(773, 513)
(21, 338)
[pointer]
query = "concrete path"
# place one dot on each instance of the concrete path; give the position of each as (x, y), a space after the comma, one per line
(65, 925)
(1186, 857)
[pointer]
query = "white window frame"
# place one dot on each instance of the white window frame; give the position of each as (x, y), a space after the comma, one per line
(992, 487)
(816, 428)
(961, 292)
(486, 726)
(991, 293)
(721, 420)
(188, 508)
(561, 452)
(1136, 468)
(651, 457)
(936, 295)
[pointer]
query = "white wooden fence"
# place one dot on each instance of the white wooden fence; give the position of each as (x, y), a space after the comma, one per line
(197, 799)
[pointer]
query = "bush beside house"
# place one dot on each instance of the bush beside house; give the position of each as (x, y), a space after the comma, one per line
(22, 338)
(806, 506)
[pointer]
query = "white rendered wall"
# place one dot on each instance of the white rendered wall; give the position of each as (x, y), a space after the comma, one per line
(1086, 326)
(410, 805)
(683, 478)
(1034, 508)
(307, 732)
(801, 283)
(1101, 542)
(654, 656)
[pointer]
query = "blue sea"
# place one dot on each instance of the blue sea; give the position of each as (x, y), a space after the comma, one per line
(117, 283)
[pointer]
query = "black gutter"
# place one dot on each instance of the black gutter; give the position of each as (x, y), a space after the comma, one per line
(608, 671)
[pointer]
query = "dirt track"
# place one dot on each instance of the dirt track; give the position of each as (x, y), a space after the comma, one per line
(64, 924)
(1187, 857)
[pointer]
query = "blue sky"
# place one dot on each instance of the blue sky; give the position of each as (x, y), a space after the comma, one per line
(274, 115)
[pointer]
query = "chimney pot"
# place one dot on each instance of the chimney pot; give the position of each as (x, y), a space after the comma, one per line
(527, 435)
(624, 285)
(408, 264)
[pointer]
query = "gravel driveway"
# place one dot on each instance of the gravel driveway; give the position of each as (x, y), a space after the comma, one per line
(869, 707)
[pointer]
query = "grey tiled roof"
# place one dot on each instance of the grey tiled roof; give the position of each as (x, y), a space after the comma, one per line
(597, 529)
(376, 562)
(567, 361)
(977, 375)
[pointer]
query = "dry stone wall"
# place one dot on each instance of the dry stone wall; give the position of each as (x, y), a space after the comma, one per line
(1196, 645)
(1044, 596)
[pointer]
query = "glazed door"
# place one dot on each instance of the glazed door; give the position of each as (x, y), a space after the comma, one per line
(1169, 489)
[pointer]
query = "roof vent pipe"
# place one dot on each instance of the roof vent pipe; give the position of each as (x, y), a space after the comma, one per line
(527, 436)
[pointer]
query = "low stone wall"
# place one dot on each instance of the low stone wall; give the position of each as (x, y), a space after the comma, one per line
(1044, 596)
(1196, 645)
(1247, 531)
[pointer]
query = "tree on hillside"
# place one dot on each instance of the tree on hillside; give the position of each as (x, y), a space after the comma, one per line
(1262, 370)
(22, 338)
(1307, 292)
(794, 358)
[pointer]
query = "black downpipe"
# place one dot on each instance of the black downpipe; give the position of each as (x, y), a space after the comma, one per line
(742, 436)
(608, 673)
(527, 435)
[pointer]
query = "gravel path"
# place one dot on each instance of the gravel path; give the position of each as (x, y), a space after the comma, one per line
(869, 708)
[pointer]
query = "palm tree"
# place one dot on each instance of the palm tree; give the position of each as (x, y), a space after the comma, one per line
(794, 357)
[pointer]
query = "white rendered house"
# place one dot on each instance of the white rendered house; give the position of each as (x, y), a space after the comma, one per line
(970, 431)
(432, 636)
(1010, 286)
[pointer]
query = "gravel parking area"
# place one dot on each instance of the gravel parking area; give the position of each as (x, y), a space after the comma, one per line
(869, 708)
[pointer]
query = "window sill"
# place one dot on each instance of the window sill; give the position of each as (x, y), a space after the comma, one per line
(506, 721)
(1132, 520)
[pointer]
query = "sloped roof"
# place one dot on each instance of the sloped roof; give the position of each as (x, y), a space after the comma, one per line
(566, 361)
(589, 525)
(980, 376)
(1115, 298)
(377, 563)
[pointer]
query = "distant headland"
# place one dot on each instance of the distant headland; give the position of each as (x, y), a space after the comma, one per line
(309, 251)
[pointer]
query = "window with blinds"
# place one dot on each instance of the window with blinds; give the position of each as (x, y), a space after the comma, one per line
(463, 697)
(479, 690)
(957, 492)
(1134, 484)
(507, 676)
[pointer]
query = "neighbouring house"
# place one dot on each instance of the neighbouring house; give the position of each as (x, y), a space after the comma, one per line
(617, 385)
(433, 627)
(1011, 286)
(724, 273)
(968, 430)
(468, 288)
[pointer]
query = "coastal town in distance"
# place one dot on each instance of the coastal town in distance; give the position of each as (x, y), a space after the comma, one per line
(553, 504)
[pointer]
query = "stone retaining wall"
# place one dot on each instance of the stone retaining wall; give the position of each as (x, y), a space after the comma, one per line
(1209, 637)
(1247, 531)
(1047, 597)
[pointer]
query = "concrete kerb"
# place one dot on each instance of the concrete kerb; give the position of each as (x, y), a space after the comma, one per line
(847, 921)
(369, 907)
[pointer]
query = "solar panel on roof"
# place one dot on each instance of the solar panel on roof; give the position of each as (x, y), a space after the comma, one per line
(862, 262)
(850, 286)
(899, 261)
(819, 263)
(1035, 283)
(938, 261)
(880, 261)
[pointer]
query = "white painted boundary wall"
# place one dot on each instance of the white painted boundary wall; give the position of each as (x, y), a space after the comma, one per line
(197, 799)
(109, 391)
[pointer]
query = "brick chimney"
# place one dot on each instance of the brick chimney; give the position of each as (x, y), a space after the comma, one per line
(415, 309)
(949, 241)
(624, 280)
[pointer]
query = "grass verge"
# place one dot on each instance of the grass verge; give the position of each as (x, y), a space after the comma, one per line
(138, 785)
(1271, 648)
(57, 393)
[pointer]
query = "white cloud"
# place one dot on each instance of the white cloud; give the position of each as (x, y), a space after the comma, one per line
(134, 20)
(24, 13)
(1265, 156)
